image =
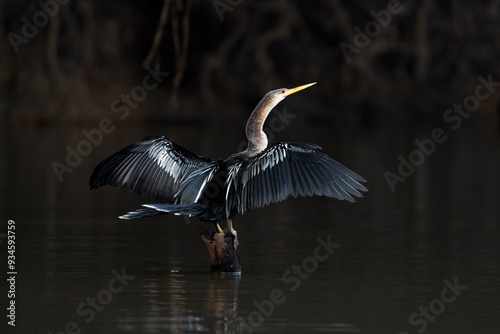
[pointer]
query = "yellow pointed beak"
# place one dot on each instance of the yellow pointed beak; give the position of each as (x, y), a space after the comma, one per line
(296, 89)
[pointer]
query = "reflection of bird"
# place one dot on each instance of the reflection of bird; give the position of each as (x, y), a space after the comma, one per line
(184, 183)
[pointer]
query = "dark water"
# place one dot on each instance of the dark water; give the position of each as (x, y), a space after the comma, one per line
(394, 257)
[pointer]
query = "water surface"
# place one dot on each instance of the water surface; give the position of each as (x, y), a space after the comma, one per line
(395, 251)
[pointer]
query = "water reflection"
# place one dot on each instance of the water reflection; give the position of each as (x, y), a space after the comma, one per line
(395, 248)
(215, 308)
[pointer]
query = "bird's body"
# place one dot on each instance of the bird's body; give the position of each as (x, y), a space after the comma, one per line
(181, 182)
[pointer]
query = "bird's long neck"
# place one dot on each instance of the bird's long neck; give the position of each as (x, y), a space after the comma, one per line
(257, 139)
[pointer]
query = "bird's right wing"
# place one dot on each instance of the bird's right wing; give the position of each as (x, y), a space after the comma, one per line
(157, 169)
(286, 169)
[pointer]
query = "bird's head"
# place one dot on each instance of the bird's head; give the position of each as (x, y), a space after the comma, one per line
(277, 95)
(257, 139)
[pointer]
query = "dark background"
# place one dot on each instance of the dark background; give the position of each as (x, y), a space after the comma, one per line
(429, 55)
(397, 246)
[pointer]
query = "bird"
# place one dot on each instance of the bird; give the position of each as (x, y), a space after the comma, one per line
(180, 182)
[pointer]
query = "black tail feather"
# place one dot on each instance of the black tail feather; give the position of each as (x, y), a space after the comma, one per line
(159, 209)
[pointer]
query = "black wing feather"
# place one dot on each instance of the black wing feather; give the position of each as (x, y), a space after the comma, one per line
(157, 169)
(289, 169)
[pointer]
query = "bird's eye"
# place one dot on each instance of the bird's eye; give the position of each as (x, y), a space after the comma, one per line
(282, 91)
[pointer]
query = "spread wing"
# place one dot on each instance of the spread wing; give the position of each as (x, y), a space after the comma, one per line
(289, 169)
(157, 169)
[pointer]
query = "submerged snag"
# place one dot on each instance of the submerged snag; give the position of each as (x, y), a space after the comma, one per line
(222, 252)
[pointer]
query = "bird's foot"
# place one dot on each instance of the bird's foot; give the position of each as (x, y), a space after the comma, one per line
(221, 230)
(233, 232)
(235, 237)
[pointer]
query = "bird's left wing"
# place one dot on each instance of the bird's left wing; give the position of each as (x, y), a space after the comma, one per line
(157, 169)
(287, 169)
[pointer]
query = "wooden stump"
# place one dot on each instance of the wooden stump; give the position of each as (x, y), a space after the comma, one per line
(222, 252)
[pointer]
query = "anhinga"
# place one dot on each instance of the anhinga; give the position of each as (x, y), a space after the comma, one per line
(181, 182)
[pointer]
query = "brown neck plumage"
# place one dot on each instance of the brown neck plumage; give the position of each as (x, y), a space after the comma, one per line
(257, 139)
